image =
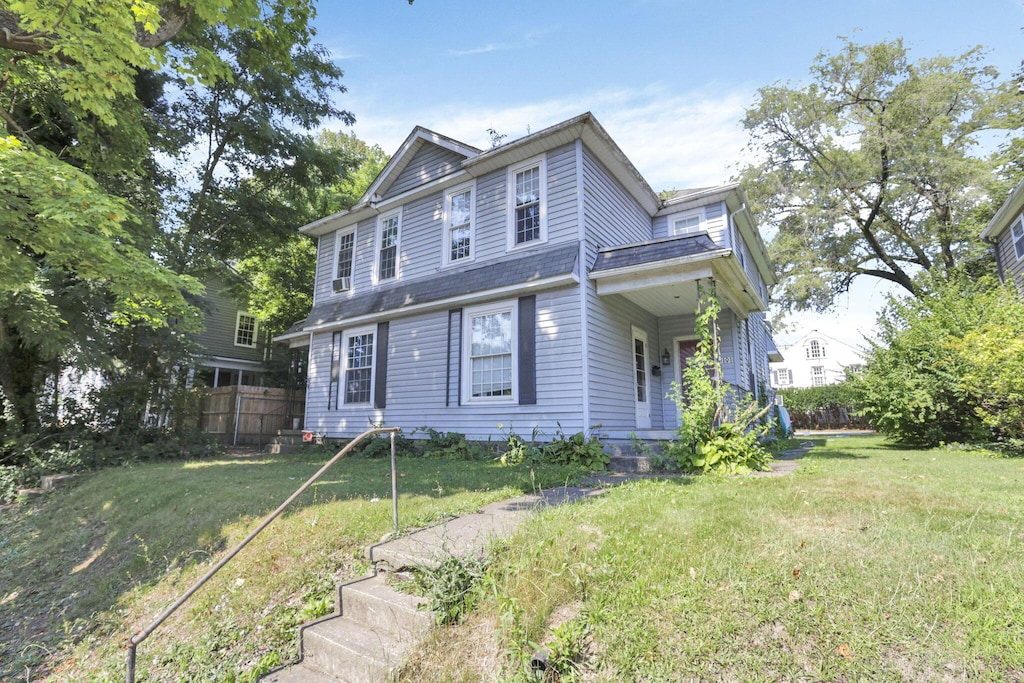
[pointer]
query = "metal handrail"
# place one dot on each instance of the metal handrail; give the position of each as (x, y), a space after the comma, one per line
(140, 636)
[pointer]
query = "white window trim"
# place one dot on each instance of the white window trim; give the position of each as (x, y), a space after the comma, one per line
(337, 248)
(255, 329)
(821, 349)
(510, 190)
(377, 246)
(465, 361)
(1019, 223)
(343, 365)
(698, 213)
(446, 248)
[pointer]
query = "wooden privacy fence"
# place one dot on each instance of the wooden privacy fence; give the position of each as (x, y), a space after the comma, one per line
(245, 415)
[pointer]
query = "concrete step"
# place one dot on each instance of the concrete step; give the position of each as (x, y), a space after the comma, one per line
(631, 463)
(286, 448)
(465, 536)
(297, 673)
(374, 603)
(352, 652)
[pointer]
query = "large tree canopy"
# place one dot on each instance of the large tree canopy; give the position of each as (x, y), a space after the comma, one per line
(94, 98)
(876, 168)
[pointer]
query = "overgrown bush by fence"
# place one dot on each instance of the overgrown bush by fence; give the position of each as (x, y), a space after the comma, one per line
(827, 407)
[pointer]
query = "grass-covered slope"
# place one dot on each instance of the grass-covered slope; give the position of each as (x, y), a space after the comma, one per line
(868, 563)
(84, 568)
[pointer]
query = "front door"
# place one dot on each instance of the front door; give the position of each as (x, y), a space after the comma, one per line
(642, 380)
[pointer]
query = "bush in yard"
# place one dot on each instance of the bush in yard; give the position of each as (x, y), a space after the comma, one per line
(829, 407)
(947, 367)
(719, 432)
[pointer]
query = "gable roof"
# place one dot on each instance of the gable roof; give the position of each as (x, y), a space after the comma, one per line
(398, 162)
(1006, 213)
(476, 163)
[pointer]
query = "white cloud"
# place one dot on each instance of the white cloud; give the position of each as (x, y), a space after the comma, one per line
(675, 140)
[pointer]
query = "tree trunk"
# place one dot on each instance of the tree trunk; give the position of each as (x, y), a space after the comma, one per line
(19, 371)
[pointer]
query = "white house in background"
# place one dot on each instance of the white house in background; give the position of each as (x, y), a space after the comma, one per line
(814, 360)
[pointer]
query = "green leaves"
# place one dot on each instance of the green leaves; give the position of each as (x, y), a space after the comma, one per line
(873, 168)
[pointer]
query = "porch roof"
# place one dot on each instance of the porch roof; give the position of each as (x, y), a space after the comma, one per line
(661, 275)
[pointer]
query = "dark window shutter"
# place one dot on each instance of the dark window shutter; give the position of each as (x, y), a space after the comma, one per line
(380, 385)
(528, 350)
(332, 395)
(454, 348)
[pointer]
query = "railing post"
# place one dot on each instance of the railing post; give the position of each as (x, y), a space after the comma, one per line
(394, 484)
(130, 674)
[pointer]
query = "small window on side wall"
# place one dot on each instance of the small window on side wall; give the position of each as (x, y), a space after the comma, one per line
(388, 237)
(689, 223)
(1017, 235)
(245, 330)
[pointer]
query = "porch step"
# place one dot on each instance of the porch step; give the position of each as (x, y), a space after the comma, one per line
(631, 463)
(375, 627)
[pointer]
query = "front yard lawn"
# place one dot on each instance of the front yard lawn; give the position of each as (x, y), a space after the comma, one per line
(869, 563)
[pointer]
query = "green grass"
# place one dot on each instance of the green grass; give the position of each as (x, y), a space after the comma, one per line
(83, 569)
(868, 563)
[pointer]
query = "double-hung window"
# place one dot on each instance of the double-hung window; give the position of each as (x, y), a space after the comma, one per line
(527, 198)
(815, 349)
(1017, 236)
(817, 376)
(345, 249)
(458, 224)
(388, 227)
(489, 353)
(357, 366)
(689, 223)
(245, 330)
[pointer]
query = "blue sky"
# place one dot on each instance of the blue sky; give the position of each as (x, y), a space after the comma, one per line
(668, 79)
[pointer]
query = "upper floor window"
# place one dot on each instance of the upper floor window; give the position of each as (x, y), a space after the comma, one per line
(527, 202)
(815, 349)
(245, 330)
(387, 245)
(458, 224)
(817, 376)
(489, 353)
(1017, 235)
(689, 223)
(345, 248)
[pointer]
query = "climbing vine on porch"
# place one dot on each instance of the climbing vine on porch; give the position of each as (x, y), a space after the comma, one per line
(719, 430)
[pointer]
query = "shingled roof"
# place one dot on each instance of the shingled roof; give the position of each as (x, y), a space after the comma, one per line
(518, 270)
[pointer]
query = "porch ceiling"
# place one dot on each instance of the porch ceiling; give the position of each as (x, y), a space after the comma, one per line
(668, 287)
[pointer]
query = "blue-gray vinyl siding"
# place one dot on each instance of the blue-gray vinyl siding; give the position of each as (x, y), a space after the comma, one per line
(716, 223)
(220, 315)
(423, 362)
(429, 163)
(1012, 267)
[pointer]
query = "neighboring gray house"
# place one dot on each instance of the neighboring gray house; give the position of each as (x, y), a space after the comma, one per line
(1005, 232)
(233, 348)
(538, 284)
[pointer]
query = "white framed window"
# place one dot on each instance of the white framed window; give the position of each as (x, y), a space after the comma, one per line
(489, 366)
(344, 255)
(1017, 237)
(815, 349)
(783, 377)
(357, 371)
(817, 376)
(246, 328)
(687, 223)
(459, 209)
(388, 241)
(527, 203)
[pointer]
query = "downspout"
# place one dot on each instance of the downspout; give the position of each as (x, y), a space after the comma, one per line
(584, 288)
(994, 243)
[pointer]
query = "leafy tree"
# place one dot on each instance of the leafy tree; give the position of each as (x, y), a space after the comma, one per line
(281, 275)
(250, 135)
(874, 168)
(946, 367)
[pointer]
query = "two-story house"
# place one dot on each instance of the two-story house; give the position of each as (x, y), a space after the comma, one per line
(814, 360)
(538, 284)
(1005, 232)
